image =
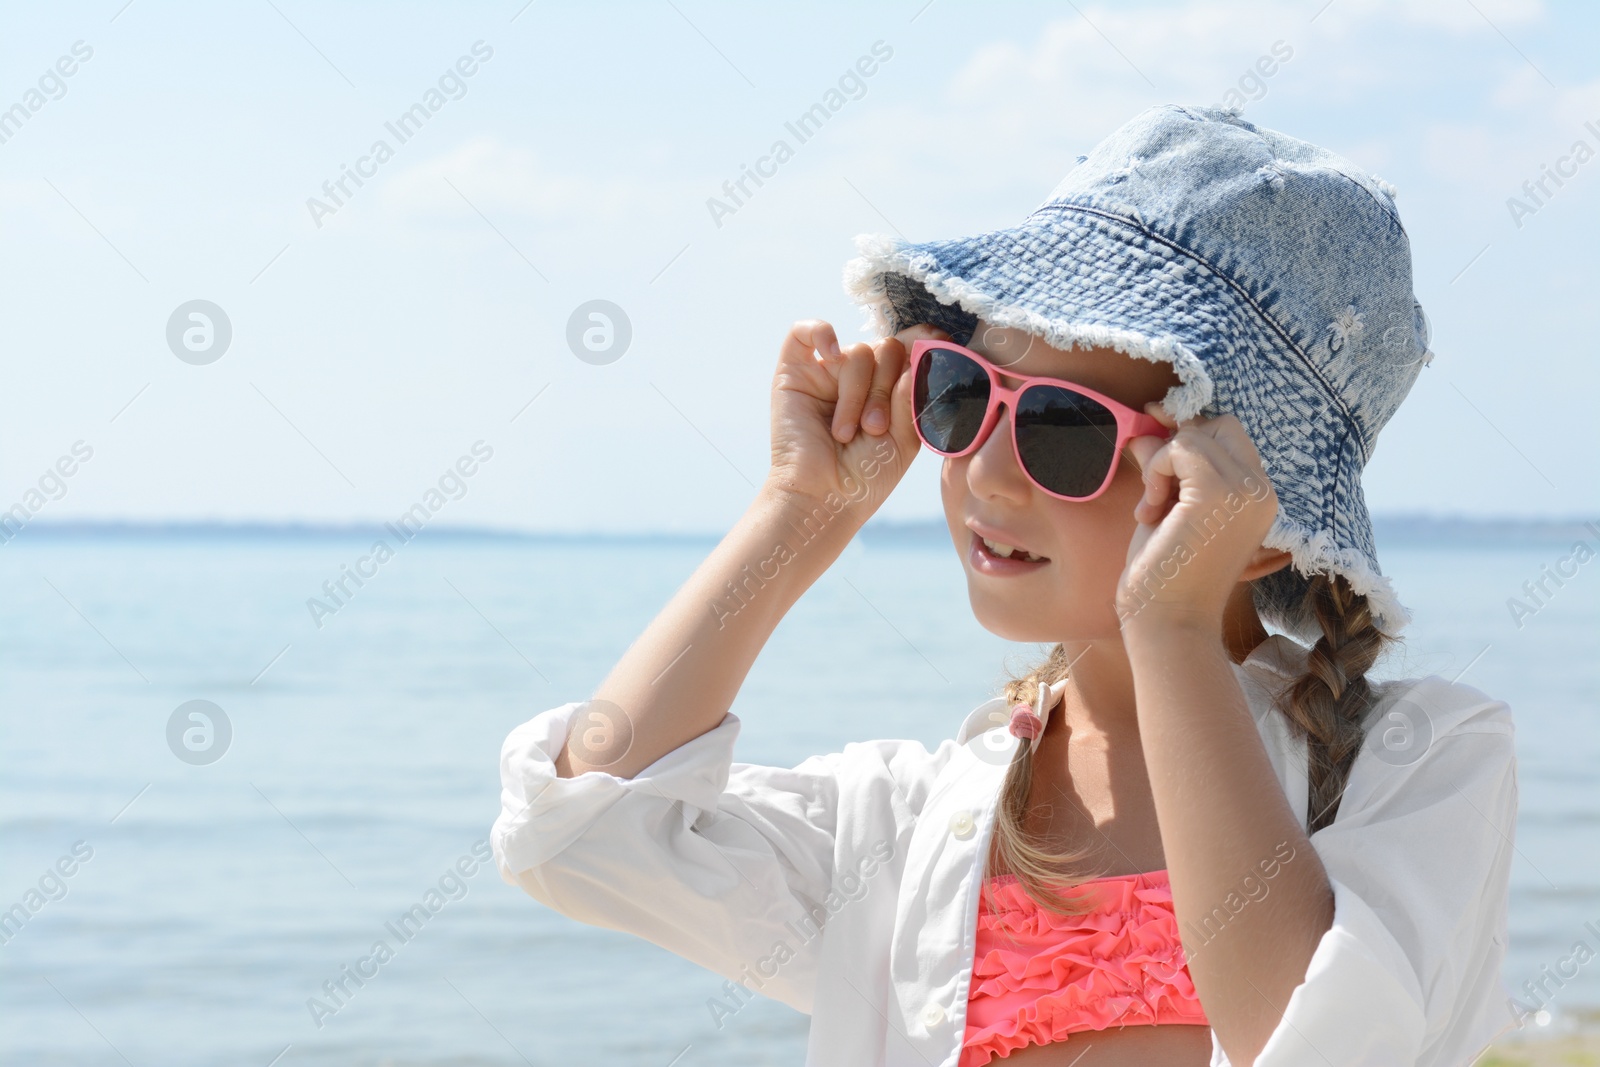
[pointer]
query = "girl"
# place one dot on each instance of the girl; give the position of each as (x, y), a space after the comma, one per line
(1180, 839)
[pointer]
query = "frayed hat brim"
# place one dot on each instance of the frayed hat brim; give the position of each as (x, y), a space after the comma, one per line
(992, 277)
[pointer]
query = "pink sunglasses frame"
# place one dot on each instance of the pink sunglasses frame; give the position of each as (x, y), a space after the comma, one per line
(1130, 423)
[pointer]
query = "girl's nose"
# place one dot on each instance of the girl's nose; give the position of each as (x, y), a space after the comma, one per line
(992, 470)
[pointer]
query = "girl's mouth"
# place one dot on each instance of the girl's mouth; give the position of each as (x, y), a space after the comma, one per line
(992, 557)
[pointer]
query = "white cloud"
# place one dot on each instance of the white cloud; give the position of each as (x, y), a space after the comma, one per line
(498, 178)
(1026, 103)
(1084, 75)
(1089, 71)
(1497, 152)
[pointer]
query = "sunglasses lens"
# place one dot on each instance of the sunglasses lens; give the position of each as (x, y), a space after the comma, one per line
(949, 395)
(1068, 441)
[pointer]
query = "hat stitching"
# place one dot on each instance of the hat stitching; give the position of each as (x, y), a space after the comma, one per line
(1330, 501)
(1283, 334)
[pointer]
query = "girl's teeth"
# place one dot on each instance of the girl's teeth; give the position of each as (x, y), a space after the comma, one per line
(1007, 551)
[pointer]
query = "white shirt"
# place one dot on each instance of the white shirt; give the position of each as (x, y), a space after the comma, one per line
(731, 865)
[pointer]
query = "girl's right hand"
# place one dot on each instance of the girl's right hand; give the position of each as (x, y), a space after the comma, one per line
(841, 418)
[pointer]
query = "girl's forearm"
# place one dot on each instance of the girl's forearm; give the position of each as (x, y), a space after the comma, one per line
(678, 679)
(1225, 823)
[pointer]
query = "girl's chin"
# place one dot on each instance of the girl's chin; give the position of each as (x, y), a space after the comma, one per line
(1011, 621)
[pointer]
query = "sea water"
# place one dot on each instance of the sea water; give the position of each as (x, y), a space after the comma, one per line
(212, 904)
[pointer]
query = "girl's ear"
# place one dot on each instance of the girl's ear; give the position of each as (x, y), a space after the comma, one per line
(1265, 561)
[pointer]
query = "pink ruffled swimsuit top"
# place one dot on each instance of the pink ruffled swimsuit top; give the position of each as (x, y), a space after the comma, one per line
(1038, 976)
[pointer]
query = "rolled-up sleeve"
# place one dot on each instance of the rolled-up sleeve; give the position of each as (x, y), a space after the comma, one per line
(1419, 859)
(709, 859)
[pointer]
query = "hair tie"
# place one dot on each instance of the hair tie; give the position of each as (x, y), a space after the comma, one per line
(1027, 721)
(1024, 723)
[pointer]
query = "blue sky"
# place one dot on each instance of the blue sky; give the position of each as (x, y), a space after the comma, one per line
(374, 345)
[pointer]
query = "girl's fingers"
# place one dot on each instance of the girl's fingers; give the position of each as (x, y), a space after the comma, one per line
(1159, 413)
(920, 332)
(810, 354)
(900, 424)
(1221, 438)
(1142, 449)
(1212, 461)
(1230, 433)
(858, 380)
(1160, 478)
(891, 362)
(855, 378)
(811, 335)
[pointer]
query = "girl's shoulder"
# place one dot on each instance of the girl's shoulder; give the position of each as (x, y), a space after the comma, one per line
(1435, 706)
(1446, 703)
(1445, 694)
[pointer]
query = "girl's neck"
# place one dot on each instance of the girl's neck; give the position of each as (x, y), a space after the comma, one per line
(1099, 694)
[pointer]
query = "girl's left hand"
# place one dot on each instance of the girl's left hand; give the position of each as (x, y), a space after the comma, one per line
(1207, 505)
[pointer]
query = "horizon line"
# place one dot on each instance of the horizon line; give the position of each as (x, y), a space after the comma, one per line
(1405, 525)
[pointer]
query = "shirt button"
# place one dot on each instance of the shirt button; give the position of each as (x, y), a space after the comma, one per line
(932, 1016)
(962, 825)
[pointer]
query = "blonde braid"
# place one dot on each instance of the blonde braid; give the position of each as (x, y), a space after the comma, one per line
(1329, 703)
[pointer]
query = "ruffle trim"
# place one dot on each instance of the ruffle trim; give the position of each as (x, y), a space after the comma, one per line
(1038, 977)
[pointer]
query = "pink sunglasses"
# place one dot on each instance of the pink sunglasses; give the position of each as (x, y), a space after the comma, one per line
(1067, 438)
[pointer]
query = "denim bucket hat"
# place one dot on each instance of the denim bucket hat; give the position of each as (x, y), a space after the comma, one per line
(1275, 277)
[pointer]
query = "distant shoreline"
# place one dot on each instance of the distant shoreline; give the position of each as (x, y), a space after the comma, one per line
(1441, 531)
